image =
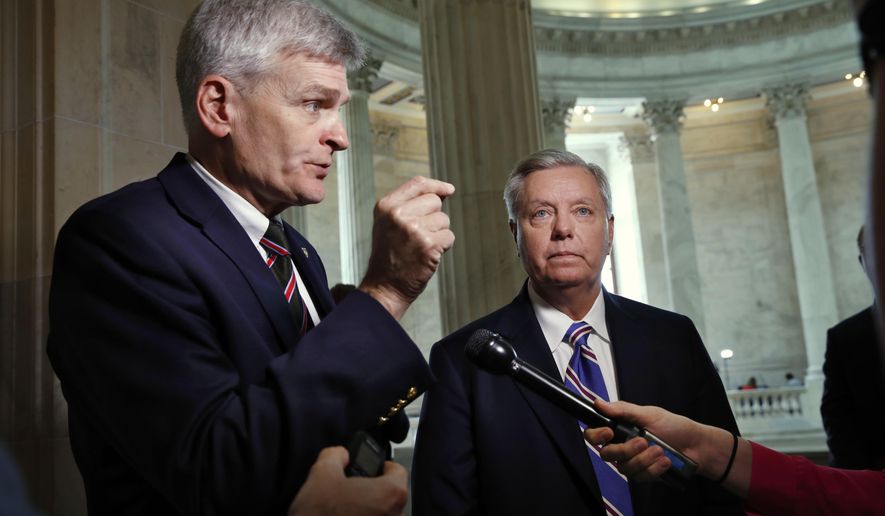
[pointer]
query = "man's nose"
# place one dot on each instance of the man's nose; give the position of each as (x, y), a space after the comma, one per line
(337, 136)
(563, 227)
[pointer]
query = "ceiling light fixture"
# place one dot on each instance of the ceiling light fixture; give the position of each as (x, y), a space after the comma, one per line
(856, 80)
(713, 105)
(585, 112)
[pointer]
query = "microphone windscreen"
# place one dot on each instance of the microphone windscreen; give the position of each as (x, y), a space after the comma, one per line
(478, 342)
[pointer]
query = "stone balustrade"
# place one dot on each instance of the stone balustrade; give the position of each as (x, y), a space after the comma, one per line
(783, 418)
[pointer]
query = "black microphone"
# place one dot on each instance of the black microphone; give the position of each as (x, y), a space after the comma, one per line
(493, 353)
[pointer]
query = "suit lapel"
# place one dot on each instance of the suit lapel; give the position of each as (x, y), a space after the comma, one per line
(631, 352)
(197, 202)
(522, 329)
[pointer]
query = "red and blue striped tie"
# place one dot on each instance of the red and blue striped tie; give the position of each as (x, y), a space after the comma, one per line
(584, 377)
(280, 262)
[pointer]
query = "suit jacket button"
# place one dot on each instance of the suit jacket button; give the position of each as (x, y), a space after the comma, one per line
(382, 420)
(412, 393)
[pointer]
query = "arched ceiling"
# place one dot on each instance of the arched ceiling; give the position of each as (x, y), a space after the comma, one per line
(644, 8)
(646, 48)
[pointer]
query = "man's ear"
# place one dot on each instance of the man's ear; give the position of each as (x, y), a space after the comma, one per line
(214, 104)
(512, 229)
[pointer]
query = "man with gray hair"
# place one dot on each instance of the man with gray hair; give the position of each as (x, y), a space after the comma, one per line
(204, 361)
(487, 445)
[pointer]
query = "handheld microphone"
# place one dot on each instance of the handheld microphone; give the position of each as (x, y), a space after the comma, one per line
(493, 353)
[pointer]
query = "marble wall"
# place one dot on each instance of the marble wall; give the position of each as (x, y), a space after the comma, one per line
(744, 253)
(742, 237)
(89, 104)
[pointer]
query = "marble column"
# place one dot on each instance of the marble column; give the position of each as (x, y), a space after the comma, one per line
(680, 254)
(483, 116)
(555, 114)
(642, 157)
(811, 259)
(356, 177)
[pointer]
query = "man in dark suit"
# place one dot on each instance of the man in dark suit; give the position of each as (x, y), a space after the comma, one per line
(488, 445)
(204, 362)
(853, 383)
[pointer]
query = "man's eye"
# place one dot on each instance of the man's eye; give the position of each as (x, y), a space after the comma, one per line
(584, 211)
(312, 107)
(540, 214)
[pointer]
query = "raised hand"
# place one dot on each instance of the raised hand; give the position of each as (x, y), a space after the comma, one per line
(409, 237)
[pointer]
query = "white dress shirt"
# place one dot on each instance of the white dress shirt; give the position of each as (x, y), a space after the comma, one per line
(554, 324)
(254, 223)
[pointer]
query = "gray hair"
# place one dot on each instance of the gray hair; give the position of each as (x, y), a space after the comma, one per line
(547, 159)
(242, 39)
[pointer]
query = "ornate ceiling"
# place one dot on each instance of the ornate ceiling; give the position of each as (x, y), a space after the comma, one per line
(646, 48)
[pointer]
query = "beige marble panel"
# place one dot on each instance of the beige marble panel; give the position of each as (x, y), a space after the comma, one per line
(78, 73)
(839, 115)
(726, 138)
(840, 164)
(25, 188)
(745, 260)
(134, 92)
(25, 74)
(8, 53)
(173, 127)
(7, 205)
(133, 159)
(77, 167)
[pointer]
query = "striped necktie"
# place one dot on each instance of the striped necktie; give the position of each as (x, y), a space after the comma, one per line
(280, 262)
(584, 377)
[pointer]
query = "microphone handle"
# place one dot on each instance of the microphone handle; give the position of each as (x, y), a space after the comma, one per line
(682, 468)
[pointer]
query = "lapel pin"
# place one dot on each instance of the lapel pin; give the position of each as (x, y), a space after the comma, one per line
(304, 250)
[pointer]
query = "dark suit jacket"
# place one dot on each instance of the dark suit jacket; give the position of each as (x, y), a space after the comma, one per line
(854, 394)
(488, 445)
(188, 389)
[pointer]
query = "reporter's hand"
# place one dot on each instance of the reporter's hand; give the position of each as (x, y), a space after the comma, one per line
(409, 237)
(709, 446)
(635, 458)
(328, 491)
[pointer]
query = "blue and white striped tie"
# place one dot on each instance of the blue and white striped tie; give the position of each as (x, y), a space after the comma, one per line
(584, 377)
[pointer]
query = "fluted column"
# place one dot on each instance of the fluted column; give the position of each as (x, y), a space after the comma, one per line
(555, 114)
(811, 259)
(483, 116)
(680, 253)
(356, 177)
(648, 207)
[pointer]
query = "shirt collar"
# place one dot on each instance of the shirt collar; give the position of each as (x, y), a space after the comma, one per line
(554, 323)
(252, 220)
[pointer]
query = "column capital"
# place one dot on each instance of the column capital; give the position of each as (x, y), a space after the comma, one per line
(361, 78)
(555, 113)
(639, 145)
(664, 115)
(787, 100)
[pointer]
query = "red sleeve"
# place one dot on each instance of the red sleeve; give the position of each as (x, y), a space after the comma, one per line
(784, 484)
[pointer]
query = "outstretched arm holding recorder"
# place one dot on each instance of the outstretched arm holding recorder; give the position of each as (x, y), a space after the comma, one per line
(769, 482)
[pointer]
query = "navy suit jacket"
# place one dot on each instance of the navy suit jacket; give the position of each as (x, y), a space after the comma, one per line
(188, 389)
(854, 393)
(488, 445)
